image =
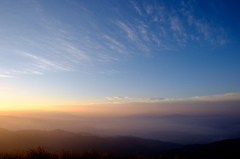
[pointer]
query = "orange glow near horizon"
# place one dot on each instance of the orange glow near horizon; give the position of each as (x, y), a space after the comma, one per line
(195, 105)
(126, 109)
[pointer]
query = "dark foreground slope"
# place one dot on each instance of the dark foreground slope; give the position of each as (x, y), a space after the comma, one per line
(77, 145)
(227, 149)
(221, 149)
(79, 142)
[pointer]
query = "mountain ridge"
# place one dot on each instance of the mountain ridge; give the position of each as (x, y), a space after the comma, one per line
(56, 140)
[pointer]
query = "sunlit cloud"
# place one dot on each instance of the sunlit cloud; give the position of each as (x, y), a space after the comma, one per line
(211, 98)
(132, 99)
(219, 97)
(148, 100)
(116, 97)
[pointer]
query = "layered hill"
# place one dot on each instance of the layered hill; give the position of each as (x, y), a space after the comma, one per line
(58, 139)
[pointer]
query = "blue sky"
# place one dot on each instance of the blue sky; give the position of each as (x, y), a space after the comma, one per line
(84, 51)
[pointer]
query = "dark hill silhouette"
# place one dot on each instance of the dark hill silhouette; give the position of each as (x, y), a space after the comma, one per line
(220, 149)
(229, 149)
(58, 139)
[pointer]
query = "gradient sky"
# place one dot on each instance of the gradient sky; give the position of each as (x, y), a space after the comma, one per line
(74, 52)
(120, 57)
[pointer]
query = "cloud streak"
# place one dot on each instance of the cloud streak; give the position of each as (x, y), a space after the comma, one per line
(109, 72)
(219, 97)
(212, 98)
(136, 7)
(5, 76)
(130, 32)
(45, 64)
(66, 46)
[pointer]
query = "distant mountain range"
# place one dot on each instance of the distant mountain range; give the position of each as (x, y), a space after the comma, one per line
(183, 129)
(57, 140)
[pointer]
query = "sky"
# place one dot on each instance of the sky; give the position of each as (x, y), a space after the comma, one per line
(106, 58)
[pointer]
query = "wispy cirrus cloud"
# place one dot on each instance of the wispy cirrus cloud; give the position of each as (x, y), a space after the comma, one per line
(14, 73)
(143, 29)
(178, 25)
(178, 30)
(131, 33)
(138, 36)
(109, 72)
(58, 46)
(45, 64)
(136, 7)
(53, 44)
(114, 41)
(76, 54)
(149, 9)
(26, 71)
(115, 45)
(203, 29)
(156, 39)
(5, 76)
